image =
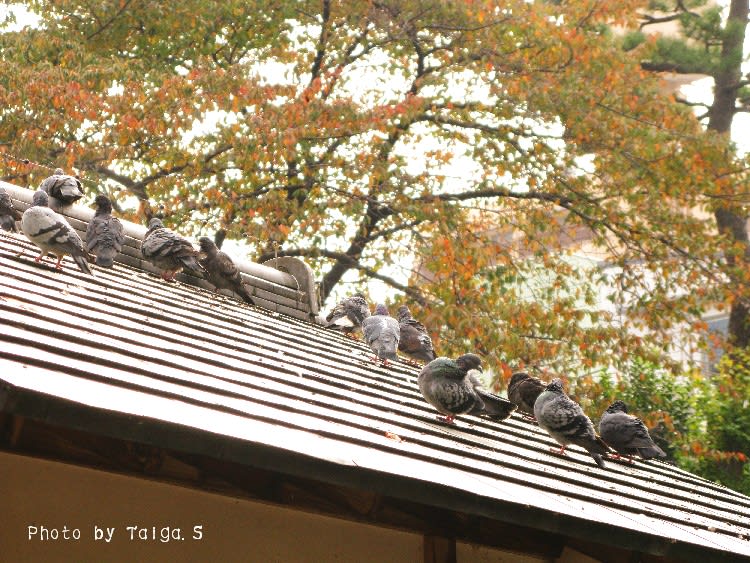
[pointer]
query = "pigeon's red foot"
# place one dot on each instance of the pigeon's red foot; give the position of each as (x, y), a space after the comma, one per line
(58, 266)
(449, 419)
(560, 451)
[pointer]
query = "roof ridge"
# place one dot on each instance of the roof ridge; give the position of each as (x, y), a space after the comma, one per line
(285, 284)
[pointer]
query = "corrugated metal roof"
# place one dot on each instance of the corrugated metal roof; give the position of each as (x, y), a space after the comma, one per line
(127, 342)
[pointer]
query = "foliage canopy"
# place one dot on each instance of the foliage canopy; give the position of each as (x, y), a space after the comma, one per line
(473, 138)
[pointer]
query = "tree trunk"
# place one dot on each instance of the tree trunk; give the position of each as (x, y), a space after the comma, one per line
(730, 219)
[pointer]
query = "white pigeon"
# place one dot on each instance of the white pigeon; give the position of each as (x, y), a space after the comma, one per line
(52, 233)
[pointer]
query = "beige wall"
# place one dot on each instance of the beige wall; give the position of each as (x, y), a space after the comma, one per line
(36, 492)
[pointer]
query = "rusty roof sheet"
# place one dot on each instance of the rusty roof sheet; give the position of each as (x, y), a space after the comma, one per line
(229, 380)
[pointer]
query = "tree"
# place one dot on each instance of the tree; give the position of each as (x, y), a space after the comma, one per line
(356, 134)
(710, 44)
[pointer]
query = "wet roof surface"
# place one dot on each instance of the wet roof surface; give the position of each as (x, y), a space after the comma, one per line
(129, 343)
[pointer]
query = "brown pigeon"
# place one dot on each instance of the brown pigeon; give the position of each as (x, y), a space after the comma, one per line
(221, 271)
(523, 391)
(415, 341)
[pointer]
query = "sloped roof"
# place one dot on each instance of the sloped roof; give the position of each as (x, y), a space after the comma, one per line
(125, 354)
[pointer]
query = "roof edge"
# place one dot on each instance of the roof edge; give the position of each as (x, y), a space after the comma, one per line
(55, 411)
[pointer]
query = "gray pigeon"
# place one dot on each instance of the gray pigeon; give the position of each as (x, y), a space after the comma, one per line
(51, 232)
(104, 235)
(8, 214)
(381, 333)
(523, 391)
(453, 387)
(564, 420)
(62, 187)
(348, 314)
(168, 251)
(221, 271)
(627, 434)
(415, 341)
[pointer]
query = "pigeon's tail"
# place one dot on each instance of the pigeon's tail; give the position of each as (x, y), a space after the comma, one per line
(598, 459)
(191, 263)
(495, 407)
(246, 292)
(387, 355)
(106, 259)
(424, 355)
(83, 263)
(598, 446)
(651, 452)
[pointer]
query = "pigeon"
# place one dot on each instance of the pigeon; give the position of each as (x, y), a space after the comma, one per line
(382, 333)
(348, 314)
(104, 235)
(564, 420)
(62, 187)
(452, 387)
(415, 341)
(51, 232)
(523, 391)
(8, 214)
(221, 271)
(168, 251)
(627, 434)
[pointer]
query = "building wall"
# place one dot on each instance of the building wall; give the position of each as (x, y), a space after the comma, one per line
(212, 527)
